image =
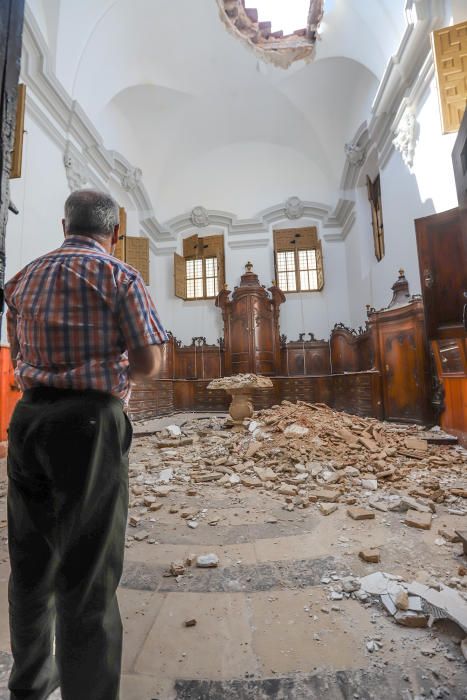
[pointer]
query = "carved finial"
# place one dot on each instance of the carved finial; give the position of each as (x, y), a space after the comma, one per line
(401, 272)
(249, 266)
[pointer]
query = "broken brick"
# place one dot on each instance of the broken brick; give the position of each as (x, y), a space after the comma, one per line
(372, 555)
(360, 514)
(414, 518)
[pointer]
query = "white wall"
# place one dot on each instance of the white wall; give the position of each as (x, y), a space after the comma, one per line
(314, 312)
(39, 195)
(407, 194)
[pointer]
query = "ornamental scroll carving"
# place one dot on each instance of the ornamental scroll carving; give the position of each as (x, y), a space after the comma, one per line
(131, 179)
(355, 154)
(294, 208)
(76, 174)
(199, 217)
(405, 137)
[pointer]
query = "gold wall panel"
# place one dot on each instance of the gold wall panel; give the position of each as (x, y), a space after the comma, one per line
(450, 50)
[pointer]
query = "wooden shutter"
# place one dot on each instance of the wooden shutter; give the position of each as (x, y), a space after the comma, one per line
(191, 246)
(450, 49)
(120, 247)
(137, 254)
(306, 237)
(295, 238)
(284, 239)
(17, 155)
(213, 247)
(319, 266)
(179, 276)
(374, 196)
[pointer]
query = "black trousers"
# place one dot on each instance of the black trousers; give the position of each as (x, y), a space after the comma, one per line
(67, 513)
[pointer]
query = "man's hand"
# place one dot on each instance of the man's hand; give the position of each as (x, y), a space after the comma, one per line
(144, 362)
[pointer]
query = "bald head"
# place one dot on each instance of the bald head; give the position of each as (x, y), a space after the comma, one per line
(90, 213)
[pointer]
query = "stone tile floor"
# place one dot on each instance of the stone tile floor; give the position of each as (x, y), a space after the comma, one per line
(265, 626)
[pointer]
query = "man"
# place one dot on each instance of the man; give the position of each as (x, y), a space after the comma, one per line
(81, 325)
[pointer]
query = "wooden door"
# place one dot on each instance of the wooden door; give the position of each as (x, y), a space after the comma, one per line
(240, 337)
(442, 257)
(402, 375)
(262, 336)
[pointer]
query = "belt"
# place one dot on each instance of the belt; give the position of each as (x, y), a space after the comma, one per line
(49, 393)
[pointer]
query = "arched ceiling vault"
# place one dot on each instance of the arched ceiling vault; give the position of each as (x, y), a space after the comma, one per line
(169, 86)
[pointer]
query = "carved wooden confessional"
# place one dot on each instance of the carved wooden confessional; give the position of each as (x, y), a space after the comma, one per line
(251, 326)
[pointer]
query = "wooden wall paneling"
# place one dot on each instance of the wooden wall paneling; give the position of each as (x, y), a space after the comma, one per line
(207, 400)
(305, 357)
(354, 392)
(450, 357)
(152, 398)
(344, 350)
(365, 351)
(186, 363)
(166, 368)
(454, 417)
(267, 397)
(183, 392)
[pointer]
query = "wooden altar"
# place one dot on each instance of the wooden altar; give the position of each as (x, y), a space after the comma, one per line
(251, 326)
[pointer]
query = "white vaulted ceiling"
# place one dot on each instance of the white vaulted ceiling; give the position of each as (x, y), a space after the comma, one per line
(206, 120)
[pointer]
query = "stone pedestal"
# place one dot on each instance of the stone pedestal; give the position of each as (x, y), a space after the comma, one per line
(240, 387)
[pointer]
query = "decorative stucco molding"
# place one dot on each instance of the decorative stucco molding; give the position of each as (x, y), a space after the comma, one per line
(76, 171)
(355, 154)
(131, 179)
(294, 208)
(199, 217)
(405, 137)
(255, 232)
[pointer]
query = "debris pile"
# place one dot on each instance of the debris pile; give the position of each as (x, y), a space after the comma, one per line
(304, 454)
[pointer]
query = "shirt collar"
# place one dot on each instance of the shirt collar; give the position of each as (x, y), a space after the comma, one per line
(76, 241)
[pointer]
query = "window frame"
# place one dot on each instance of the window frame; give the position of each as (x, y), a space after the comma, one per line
(296, 247)
(203, 277)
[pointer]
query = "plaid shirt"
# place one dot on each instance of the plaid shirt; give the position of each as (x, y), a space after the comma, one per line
(73, 314)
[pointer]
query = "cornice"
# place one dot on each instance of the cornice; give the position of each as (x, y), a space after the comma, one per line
(240, 232)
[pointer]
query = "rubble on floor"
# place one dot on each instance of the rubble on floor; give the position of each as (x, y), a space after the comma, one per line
(304, 455)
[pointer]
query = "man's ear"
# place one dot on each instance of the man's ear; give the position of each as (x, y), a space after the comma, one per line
(115, 235)
(63, 226)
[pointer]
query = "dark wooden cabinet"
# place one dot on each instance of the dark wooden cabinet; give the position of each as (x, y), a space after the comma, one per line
(251, 327)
